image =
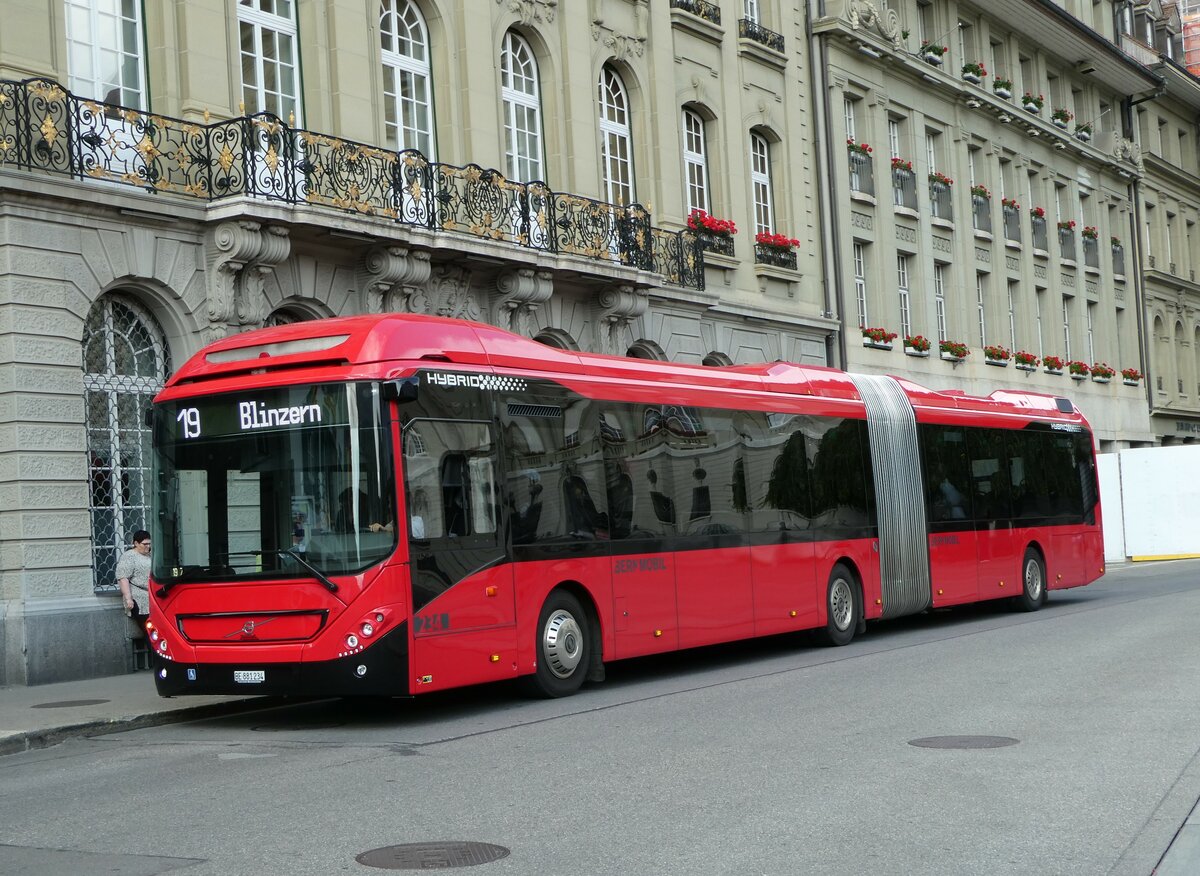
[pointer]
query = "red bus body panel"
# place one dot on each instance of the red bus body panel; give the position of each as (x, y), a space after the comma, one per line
(484, 628)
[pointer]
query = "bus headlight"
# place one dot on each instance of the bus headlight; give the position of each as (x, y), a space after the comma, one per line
(352, 641)
(367, 629)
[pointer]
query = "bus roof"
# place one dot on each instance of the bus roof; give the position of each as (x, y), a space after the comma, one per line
(386, 346)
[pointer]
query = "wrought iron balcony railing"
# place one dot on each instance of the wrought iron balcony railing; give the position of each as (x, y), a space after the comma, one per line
(981, 213)
(1012, 224)
(43, 127)
(1118, 257)
(1091, 252)
(710, 12)
(721, 244)
(862, 178)
(774, 255)
(941, 200)
(904, 188)
(1041, 239)
(752, 30)
(1066, 244)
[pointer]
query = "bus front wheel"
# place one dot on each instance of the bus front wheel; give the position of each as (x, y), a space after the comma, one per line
(564, 649)
(841, 606)
(1033, 582)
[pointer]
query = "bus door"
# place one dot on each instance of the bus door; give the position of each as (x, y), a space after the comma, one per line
(953, 552)
(995, 539)
(463, 603)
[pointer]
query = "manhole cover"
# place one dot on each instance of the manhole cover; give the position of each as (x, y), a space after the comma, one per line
(67, 704)
(964, 742)
(283, 728)
(432, 856)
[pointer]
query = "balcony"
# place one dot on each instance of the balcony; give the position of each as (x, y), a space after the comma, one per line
(709, 12)
(862, 176)
(1041, 239)
(45, 128)
(1118, 259)
(981, 213)
(941, 202)
(1012, 224)
(752, 30)
(1066, 244)
(774, 256)
(1091, 253)
(904, 188)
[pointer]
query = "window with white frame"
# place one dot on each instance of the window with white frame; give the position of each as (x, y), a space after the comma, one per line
(695, 161)
(850, 112)
(616, 139)
(521, 97)
(860, 281)
(1090, 316)
(894, 137)
(1012, 314)
(105, 48)
(939, 300)
(1066, 321)
(1039, 295)
(270, 72)
(931, 150)
(981, 306)
(752, 11)
(407, 83)
(903, 292)
(760, 183)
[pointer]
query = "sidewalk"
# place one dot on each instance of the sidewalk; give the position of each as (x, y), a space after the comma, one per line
(35, 717)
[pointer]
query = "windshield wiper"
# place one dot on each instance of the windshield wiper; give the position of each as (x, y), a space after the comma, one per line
(165, 586)
(316, 573)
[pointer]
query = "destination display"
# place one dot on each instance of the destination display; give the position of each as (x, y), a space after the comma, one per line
(267, 410)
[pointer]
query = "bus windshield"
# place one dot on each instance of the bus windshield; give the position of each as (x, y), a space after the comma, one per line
(290, 482)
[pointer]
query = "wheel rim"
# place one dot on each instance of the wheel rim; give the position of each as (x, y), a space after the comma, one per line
(1033, 579)
(841, 604)
(562, 643)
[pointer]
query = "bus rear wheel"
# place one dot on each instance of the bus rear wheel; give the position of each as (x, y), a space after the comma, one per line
(841, 606)
(1033, 582)
(564, 647)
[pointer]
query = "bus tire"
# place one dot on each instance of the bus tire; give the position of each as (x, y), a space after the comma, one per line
(1033, 581)
(563, 647)
(841, 606)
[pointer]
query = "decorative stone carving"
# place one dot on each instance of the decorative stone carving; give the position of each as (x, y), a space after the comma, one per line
(620, 304)
(623, 46)
(1012, 263)
(530, 11)
(983, 254)
(522, 290)
(1067, 280)
(1130, 151)
(861, 220)
(887, 22)
(240, 255)
(941, 244)
(908, 235)
(452, 293)
(393, 279)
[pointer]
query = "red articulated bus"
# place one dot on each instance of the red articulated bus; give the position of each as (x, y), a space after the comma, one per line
(395, 504)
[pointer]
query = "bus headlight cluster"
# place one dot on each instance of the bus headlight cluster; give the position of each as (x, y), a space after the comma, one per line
(158, 642)
(352, 641)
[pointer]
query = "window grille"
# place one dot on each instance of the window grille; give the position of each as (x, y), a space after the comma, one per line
(125, 363)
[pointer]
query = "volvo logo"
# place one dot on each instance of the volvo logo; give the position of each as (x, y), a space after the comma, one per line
(248, 628)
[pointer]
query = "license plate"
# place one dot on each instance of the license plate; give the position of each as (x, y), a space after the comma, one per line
(249, 676)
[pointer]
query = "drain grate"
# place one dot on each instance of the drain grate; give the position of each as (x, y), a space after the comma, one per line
(964, 742)
(68, 704)
(432, 856)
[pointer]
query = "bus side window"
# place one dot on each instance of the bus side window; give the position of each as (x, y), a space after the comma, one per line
(454, 493)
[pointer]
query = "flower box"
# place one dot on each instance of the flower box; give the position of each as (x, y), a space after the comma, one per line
(1050, 370)
(1023, 367)
(877, 338)
(876, 345)
(917, 345)
(1002, 89)
(1083, 134)
(1096, 379)
(932, 58)
(701, 222)
(1130, 381)
(954, 351)
(1131, 376)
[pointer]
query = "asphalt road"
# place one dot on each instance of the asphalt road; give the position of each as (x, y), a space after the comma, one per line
(772, 757)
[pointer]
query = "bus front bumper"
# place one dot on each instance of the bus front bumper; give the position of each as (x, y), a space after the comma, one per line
(381, 670)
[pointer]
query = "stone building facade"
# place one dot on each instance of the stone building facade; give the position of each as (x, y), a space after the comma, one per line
(174, 172)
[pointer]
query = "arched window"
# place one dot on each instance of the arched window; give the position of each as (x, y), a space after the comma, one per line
(760, 184)
(521, 96)
(407, 83)
(125, 362)
(616, 151)
(695, 161)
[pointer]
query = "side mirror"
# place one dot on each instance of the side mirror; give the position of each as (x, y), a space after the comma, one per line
(402, 391)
